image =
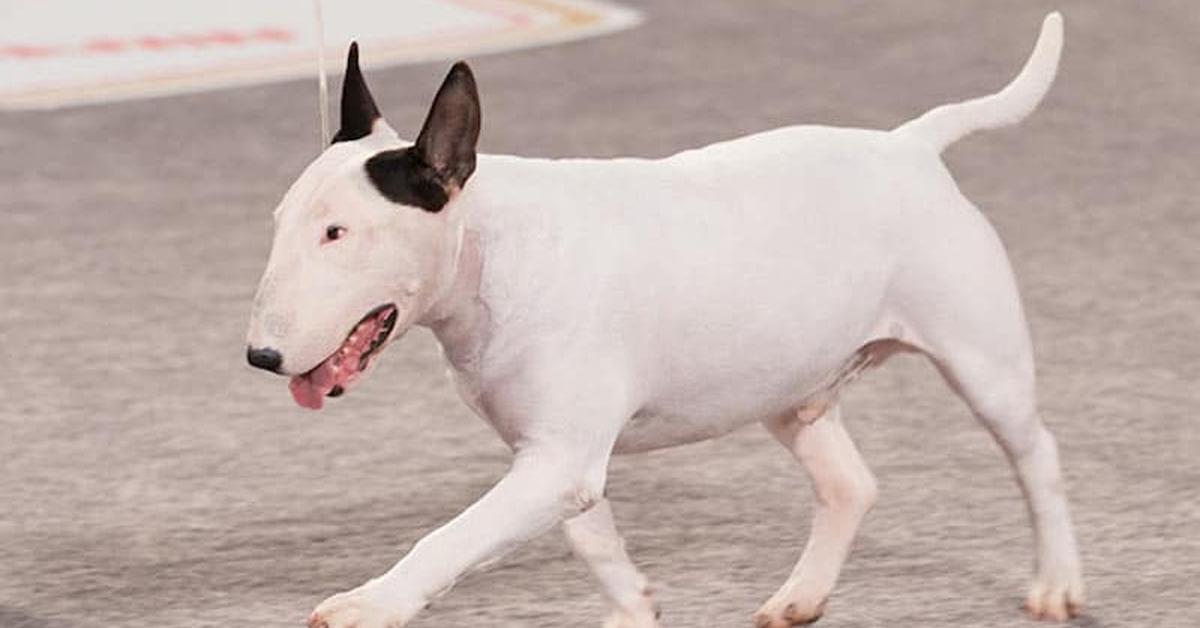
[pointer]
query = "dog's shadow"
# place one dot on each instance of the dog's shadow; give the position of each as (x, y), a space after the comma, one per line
(1084, 620)
(18, 618)
(1087, 621)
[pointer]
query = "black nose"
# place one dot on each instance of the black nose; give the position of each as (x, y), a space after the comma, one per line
(266, 358)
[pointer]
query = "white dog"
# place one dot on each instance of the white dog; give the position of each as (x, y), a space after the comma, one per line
(590, 307)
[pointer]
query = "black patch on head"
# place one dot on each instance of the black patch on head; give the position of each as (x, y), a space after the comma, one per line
(426, 174)
(403, 177)
(359, 112)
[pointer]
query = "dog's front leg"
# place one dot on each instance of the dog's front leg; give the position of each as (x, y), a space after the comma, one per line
(551, 478)
(540, 489)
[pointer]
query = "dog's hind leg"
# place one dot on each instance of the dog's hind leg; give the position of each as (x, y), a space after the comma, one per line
(594, 538)
(965, 313)
(1001, 394)
(845, 490)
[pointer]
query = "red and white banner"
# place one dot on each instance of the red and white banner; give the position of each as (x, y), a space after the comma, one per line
(64, 52)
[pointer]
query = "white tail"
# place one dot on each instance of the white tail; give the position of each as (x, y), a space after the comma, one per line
(947, 124)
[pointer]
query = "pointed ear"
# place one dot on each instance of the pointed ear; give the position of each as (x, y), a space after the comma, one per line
(359, 112)
(447, 141)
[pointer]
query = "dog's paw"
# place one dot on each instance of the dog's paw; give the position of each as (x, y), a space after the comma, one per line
(640, 612)
(364, 607)
(1055, 596)
(785, 611)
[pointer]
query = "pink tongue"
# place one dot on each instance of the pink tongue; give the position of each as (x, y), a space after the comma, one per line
(310, 389)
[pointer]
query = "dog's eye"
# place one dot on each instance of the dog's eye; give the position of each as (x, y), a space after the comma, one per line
(334, 232)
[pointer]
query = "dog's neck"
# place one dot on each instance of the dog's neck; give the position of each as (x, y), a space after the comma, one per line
(503, 254)
(458, 313)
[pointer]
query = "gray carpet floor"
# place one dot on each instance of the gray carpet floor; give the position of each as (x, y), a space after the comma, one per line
(148, 478)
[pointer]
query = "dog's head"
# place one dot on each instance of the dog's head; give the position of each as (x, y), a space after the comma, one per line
(365, 240)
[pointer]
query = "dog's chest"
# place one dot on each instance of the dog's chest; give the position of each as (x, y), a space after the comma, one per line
(465, 356)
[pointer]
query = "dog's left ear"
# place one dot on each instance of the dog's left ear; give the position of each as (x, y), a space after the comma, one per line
(447, 141)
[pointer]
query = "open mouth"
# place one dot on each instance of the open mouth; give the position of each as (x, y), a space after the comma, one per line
(335, 373)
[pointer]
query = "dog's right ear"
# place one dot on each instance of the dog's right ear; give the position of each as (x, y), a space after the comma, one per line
(359, 112)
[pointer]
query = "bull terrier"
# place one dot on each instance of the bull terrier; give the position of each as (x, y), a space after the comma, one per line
(589, 307)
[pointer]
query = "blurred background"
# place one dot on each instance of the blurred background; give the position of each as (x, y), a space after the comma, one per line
(149, 478)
